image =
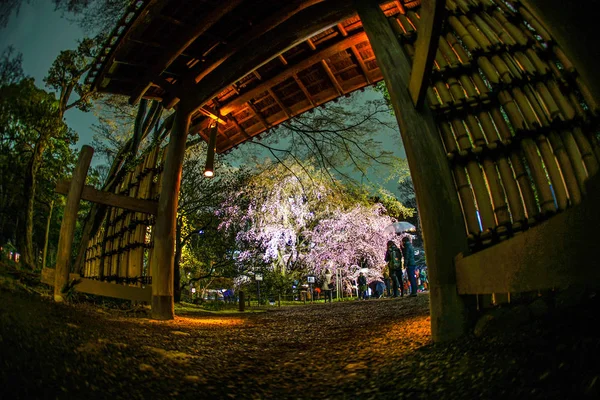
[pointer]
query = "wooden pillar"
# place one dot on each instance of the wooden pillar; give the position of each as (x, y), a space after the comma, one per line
(47, 235)
(162, 259)
(437, 201)
(67, 226)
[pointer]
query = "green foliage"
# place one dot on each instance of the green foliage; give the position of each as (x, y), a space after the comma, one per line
(29, 115)
(66, 75)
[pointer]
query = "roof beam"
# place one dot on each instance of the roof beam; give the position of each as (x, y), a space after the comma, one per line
(304, 89)
(258, 115)
(184, 42)
(332, 78)
(202, 70)
(361, 63)
(280, 103)
(285, 36)
(288, 73)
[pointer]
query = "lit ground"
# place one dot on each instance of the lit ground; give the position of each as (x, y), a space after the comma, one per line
(378, 349)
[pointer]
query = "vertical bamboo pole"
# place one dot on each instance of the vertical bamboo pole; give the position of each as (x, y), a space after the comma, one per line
(67, 227)
(164, 230)
(440, 211)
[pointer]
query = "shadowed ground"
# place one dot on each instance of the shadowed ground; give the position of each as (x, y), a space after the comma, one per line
(379, 349)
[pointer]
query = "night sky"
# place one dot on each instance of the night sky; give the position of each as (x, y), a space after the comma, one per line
(40, 34)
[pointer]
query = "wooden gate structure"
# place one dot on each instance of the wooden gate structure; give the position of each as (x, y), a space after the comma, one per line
(496, 102)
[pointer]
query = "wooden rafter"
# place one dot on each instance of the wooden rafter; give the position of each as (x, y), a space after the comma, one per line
(285, 36)
(342, 30)
(258, 115)
(332, 78)
(183, 43)
(280, 103)
(361, 63)
(304, 89)
(239, 127)
(201, 71)
(288, 73)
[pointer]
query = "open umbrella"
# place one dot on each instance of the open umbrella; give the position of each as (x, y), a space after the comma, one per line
(400, 227)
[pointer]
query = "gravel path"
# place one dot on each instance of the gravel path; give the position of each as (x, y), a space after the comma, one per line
(376, 349)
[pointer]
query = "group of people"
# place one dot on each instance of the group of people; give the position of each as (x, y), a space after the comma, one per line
(399, 277)
(394, 257)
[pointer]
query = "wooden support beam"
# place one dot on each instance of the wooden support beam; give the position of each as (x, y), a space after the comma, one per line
(332, 78)
(212, 114)
(554, 254)
(311, 44)
(98, 288)
(280, 103)
(361, 63)
(239, 127)
(161, 263)
(67, 226)
(294, 69)
(90, 193)
(296, 30)
(265, 25)
(304, 90)
(258, 115)
(182, 44)
(440, 210)
(282, 59)
(430, 28)
(342, 30)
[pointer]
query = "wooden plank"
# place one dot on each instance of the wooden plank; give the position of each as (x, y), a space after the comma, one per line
(110, 199)
(98, 288)
(48, 276)
(443, 229)
(554, 254)
(432, 17)
(69, 220)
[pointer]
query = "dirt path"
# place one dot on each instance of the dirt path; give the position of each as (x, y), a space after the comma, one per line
(377, 349)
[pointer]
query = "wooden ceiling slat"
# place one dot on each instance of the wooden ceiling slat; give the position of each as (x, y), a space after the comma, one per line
(201, 71)
(290, 34)
(281, 77)
(182, 44)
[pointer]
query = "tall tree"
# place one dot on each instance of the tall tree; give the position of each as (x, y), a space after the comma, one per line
(298, 219)
(30, 125)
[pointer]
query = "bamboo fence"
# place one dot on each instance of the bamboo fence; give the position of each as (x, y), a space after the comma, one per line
(518, 124)
(120, 250)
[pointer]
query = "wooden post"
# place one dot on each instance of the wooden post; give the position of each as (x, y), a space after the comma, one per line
(437, 200)
(163, 254)
(47, 235)
(67, 226)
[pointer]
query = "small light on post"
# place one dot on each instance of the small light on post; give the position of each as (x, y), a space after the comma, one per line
(209, 169)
